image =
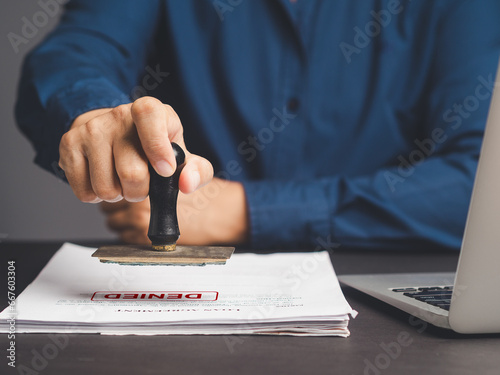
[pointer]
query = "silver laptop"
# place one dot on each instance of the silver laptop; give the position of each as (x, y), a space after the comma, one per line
(467, 301)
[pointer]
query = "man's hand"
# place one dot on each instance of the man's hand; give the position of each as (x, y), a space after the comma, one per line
(105, 153)
(215, 214)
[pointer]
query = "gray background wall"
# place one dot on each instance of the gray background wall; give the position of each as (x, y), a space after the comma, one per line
(33, 203)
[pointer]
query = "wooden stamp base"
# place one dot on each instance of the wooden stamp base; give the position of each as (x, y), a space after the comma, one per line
(145, 256)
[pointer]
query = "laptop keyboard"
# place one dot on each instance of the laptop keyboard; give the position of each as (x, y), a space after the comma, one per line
(439, 296)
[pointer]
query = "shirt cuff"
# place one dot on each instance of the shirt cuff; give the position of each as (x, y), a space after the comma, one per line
(289, 215)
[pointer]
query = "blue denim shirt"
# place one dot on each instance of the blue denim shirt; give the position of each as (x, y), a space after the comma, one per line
(350, 122)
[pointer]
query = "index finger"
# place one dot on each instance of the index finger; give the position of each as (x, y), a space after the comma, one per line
(152, 121)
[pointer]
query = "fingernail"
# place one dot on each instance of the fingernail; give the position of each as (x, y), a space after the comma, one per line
(163, 168)
(117, 199)
(195, 178)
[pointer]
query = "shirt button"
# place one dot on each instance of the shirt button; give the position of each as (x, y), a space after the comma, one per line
(293, 104)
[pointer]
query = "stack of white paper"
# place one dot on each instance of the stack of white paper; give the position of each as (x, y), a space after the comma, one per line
(284, 293)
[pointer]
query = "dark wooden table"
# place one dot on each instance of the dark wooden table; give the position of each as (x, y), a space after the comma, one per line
(370, 349)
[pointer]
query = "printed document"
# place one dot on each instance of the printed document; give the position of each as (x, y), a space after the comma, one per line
(281, 293)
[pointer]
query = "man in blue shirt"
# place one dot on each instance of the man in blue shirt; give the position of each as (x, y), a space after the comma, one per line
(350, 122)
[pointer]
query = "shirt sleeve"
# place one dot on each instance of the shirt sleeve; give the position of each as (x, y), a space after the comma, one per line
(421, 200)
(91, 60)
